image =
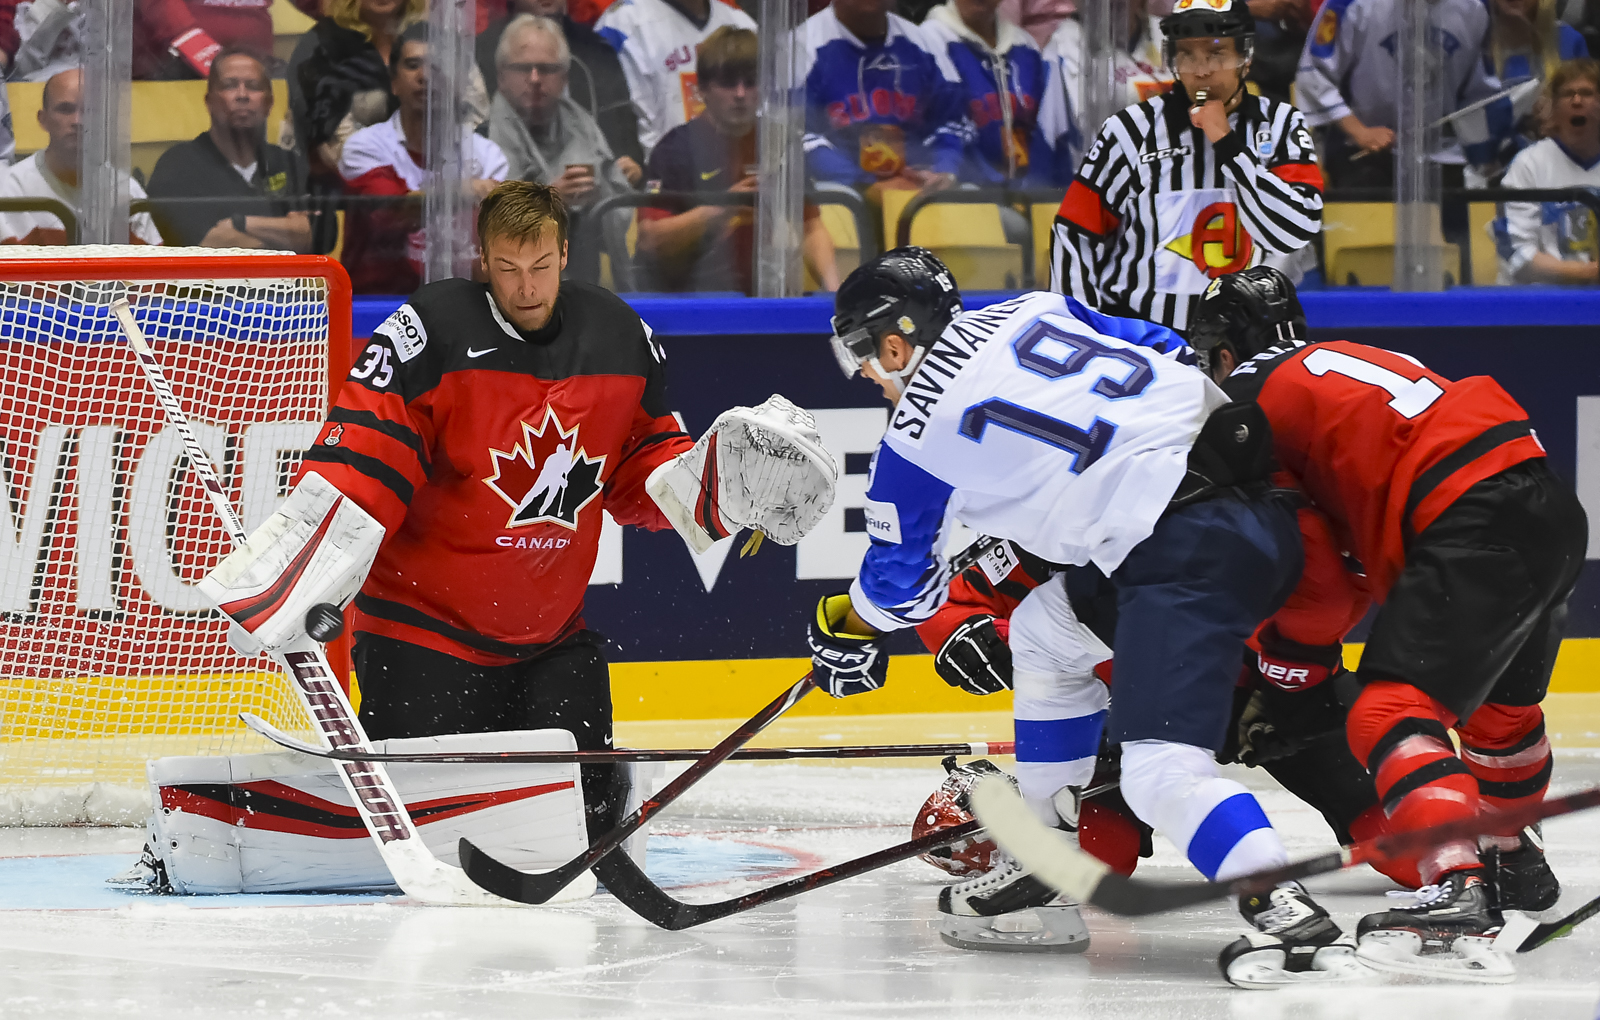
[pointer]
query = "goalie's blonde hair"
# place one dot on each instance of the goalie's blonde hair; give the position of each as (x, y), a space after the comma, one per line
(521, 210)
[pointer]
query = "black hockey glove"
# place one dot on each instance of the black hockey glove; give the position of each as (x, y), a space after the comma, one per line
(975, 657)
(844, 664)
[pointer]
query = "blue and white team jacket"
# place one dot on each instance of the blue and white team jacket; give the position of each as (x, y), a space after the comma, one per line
(1008, 145)
(873, 110)
(1035, 420)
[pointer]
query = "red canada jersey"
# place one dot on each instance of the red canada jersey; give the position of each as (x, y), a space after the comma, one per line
(488, 454)
(1380, 444)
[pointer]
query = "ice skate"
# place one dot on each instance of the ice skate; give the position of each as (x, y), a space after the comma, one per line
(1448, 932)
(1295, 942)
(148, 875)
(1008, 910)
(1518, 875)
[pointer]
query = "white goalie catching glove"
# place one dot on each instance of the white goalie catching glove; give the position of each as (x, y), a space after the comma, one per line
(316, 549)
(763, 468)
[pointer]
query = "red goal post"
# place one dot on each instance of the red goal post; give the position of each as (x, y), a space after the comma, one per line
(108, 656)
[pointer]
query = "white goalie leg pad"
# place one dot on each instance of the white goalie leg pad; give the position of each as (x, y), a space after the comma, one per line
(1060, 705)
(316, 548)
(760, 467)
(283, 822)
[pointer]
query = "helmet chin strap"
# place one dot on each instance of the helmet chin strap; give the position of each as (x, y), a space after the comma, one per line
(900, 378)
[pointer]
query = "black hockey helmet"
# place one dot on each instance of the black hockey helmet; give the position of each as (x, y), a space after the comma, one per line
(1209, 19)
(906, 291)
(1248, 311)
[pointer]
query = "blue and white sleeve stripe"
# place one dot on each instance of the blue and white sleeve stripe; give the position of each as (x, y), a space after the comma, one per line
(903, 580)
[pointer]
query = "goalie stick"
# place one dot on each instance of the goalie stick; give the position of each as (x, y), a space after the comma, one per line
(504, 880)
(1070, 871)
(414, 868)
(634, 890)
(978, 749)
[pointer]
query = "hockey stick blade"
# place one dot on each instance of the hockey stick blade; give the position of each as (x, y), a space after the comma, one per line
(633, 888)
(419, 874)
(1057, 862)
(1544, 934)
(970, 749)
(504, 880)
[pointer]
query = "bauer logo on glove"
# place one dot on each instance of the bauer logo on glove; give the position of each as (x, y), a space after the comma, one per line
(843, 663)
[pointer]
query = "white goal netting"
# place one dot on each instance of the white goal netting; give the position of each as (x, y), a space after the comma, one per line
(108, 655)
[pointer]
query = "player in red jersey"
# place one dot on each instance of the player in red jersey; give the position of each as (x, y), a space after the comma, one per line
(456, 493)
(1440, 502)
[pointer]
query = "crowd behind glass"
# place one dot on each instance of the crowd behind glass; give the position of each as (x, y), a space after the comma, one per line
(644, 115)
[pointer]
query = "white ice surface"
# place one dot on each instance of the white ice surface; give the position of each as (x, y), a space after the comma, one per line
(861, 949)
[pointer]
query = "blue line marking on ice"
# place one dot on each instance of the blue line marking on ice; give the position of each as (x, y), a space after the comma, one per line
(78, 881)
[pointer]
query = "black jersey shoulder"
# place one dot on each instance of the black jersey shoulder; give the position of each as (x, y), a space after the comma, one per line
(1247, 380)
(454, 326)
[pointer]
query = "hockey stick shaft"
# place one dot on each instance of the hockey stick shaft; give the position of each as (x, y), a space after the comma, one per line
(633, 888)
(972, 749)
(382, 811)
(1076, 874)
(504, 880)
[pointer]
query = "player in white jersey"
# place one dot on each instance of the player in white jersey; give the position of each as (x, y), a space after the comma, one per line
(1037, 420)
(656, 41)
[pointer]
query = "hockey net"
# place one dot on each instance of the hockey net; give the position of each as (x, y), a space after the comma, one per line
(108, 655)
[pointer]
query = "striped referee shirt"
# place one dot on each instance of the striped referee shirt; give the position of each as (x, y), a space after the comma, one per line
(1156, 212)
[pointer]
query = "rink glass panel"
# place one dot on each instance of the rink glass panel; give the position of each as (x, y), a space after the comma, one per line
(108, 654)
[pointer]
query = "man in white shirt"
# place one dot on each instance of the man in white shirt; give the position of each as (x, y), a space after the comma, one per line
(1554, 242)
(53, 172)
(656, 41)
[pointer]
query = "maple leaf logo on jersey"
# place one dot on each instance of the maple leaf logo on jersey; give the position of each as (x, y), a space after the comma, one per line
(547, 478)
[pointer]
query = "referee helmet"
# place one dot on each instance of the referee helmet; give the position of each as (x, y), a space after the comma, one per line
(1209, 19)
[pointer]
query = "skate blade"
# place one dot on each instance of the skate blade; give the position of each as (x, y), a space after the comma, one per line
(1052, 930)
(1465, 958)
(1264, 970)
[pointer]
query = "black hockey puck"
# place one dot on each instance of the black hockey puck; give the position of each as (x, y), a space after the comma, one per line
(324, 622)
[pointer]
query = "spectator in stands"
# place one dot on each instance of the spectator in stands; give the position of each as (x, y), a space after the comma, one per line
(48, 38)
(595, 80)
(1038, 18)
(263, 186)
(339, 76)
(52, 172)
(547, 137)
(1527, 40)
(1554, 242)
(1141, 73)
(711, 247)
(656, 41)
(384, 245)
(884, 110)
(994, 58)
(1349, 84)
(1281, 28)
(180, 38)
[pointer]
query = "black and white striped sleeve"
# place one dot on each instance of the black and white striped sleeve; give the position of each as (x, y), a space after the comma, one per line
(1091, 214)
(1280, 200)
